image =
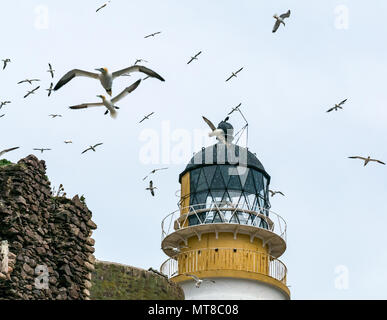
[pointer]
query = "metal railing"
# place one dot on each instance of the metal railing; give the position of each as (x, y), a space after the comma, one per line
(216, 259)
(216, 213)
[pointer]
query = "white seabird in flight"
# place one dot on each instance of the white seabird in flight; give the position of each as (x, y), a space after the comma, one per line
(146, 117)
(5, 61)
(105, 77)
(152, 34)
(154, 171)
(195, 57)
(219, 133)
(366, 160)
(92, 147)
(31, 92)
(151, 188)
(50, 70)
(50, 89)
(55, 115)
(235, 109)
(234, 74)
(337, 106)
(103, 6)
(273, 193)
(198, 281)
(3, 103)
(8, 150)
(68, 141)
(139, 61)
(280, 19)
(28, 80)
(109, 104)
(41, 149)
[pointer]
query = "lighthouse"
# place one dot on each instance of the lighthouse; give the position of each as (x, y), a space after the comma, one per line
(224, 231)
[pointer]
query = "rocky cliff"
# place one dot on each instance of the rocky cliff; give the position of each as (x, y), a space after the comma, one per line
(47, 249)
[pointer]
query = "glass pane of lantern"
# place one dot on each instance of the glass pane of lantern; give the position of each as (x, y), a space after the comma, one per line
(202, 182)
(225, 175)
(227, 215)
(209, 173)
(209, 217)
(234, 183)
(234, 196)
(201, 197)
(217, 196)
(194, 175)
(217, 182)
(234, 218)
(255, 204)
(251, 198)
(217, 218)
(193, 220)
(258, 177)
(243, 217)
(249, 184)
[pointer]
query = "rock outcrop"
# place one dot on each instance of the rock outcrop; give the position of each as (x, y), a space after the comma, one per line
(50, 249)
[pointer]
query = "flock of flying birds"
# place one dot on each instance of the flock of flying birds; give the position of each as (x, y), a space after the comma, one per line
(106, 78)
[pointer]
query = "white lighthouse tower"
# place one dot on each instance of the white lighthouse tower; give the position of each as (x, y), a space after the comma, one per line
(223, 230)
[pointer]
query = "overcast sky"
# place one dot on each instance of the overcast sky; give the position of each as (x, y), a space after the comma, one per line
(328, 51)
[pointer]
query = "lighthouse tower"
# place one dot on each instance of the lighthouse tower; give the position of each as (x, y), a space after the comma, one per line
(224, 230)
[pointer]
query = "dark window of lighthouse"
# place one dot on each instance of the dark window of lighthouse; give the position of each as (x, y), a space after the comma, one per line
(216, 187)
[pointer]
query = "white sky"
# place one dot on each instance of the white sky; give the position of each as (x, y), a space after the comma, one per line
(334, 207)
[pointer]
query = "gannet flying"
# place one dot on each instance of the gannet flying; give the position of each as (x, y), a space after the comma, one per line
(234, 74)
(146, 117)
(8, 150)
(103, 6)
(219, 133)
(50, 89)
(50, 70)
(195, 57)
(68, 141)
(5, 61)
(198, 281)
(109, 104)
(31, 92)
(152, 34)
(3, 103)
(105, 77)
(280, 20)
(41, 149)
(140, 60)
(235, 109)
(154, 171)
(92, 147)
(151, 188)
(366, 160)
(273, 193)
(337, 106)
(28, 80)
(55, 115)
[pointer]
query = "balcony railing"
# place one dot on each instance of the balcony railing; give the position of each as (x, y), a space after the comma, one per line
(216, 259)
(225, 214)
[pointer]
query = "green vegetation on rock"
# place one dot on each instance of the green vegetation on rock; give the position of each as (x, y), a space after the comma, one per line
(112, 281)
(4, 162)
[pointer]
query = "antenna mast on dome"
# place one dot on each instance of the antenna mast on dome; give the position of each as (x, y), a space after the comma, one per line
(244, 128)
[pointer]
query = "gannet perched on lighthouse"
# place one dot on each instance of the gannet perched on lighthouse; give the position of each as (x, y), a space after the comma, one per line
(219, 132)
(105, 77)
(109, 104)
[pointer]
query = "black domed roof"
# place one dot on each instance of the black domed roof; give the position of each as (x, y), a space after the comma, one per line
(228, 129)
(217, 154)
